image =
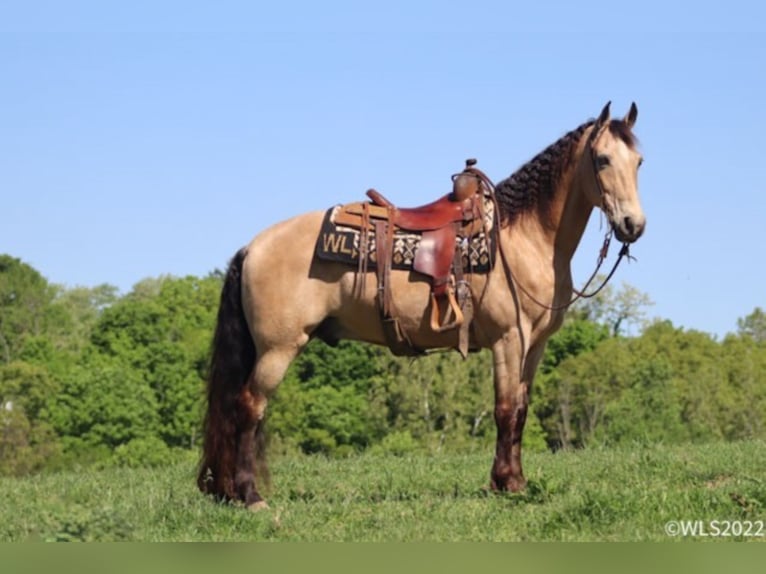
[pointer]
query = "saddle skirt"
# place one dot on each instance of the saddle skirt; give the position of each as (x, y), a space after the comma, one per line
(340, 239)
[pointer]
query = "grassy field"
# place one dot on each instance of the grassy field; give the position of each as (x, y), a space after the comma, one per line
(622, 494)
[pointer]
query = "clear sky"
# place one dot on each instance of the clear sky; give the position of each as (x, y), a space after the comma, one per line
(143, 138)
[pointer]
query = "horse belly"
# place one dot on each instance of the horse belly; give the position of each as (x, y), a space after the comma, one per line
(289, 294)
(359, 316)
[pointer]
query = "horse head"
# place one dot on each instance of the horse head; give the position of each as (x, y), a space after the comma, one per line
(615, 162)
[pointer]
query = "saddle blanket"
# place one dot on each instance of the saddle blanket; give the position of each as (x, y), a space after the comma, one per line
(341, 244)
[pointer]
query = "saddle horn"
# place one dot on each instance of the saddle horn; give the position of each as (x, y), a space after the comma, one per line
(465, 184)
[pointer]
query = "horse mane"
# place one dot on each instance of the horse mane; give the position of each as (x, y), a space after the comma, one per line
(534, 184)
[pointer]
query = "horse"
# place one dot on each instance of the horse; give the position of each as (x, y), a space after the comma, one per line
(277, 296)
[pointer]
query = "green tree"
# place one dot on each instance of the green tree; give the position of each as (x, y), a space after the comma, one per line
(622, 311)
(743, 410)
(753, 325)
(162, 331)
(103, 403)
(581, 390)
(697, 375)
(326, 403)
(25, 297)
(552, 398)
(443, 402)
(77, 311)
(27, 440)
(576, 336)
(645, 410)
(668, 385)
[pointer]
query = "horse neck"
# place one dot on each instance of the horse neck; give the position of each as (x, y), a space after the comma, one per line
(570, 207)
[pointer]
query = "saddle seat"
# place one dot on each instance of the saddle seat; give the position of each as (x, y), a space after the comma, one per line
(434, 215)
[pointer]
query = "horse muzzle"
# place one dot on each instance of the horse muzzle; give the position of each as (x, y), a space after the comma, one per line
(629, 228)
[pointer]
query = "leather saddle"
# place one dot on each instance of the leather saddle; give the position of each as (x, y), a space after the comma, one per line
(439, 224)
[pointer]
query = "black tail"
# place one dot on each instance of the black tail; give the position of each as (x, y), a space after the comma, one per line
(232, 361)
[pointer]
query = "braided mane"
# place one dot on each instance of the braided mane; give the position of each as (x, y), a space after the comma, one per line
(533, 185)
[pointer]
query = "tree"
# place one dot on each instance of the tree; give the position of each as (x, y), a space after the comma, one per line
(27, 440)
(552, 398)
(668, 385)
(754, 325)
(744, 408)
(695, 360)
(103, 403)
(326, 402)
(445, 402)
(162, 330)
(647, 408)
(622, 311)
(576, 336)
(24, 299)
(77, 311)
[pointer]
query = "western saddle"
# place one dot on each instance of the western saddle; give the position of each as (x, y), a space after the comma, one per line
(460, 213)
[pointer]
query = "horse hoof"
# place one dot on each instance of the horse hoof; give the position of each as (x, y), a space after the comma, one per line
(508, 485)
(256, 506)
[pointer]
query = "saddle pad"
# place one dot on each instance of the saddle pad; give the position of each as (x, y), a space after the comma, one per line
(340, 244)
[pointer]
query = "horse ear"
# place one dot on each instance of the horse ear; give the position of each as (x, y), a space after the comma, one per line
(602, 120)
(630, 117)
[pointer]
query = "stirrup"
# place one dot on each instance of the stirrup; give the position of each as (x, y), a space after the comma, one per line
(453, 306)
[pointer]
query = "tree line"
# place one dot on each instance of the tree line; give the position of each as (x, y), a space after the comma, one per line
(89, 376)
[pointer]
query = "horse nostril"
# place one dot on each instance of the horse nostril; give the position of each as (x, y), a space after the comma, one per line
(629, 226)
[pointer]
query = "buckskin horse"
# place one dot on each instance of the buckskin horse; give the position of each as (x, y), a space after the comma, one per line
(278, 295)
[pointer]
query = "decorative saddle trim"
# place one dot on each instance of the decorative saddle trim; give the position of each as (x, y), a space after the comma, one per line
(340, 243)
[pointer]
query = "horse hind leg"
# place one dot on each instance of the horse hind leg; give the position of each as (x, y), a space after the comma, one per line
(246, 366)
(245, 462)
(251, 456)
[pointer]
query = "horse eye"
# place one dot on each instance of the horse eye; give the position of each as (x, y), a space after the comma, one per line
(640, 162)
(602, 161)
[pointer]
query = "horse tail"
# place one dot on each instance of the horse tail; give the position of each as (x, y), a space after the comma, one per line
(231, 363)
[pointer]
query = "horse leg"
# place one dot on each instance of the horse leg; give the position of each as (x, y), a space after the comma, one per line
(513, 384)
(511, 401)
(267, 374)
(244, 473)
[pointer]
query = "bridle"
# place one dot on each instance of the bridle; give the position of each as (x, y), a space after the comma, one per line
(603, 252)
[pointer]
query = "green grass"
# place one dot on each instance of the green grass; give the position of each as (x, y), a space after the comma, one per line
(598, 494)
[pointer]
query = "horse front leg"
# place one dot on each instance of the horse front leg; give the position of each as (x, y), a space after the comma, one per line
(511, 402)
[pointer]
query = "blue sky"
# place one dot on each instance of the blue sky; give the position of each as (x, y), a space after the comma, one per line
(144, 138)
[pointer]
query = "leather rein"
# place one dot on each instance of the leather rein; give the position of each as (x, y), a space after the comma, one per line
(603, 252)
